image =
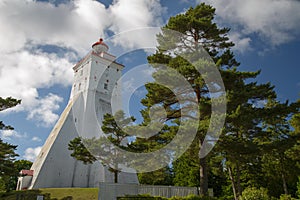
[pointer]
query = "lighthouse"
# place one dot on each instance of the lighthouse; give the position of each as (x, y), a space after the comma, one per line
(94, 88)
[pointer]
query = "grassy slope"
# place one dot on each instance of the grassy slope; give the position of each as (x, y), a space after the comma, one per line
(76, 193)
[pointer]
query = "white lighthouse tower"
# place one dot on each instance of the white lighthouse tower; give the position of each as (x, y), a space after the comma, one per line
(95, 78)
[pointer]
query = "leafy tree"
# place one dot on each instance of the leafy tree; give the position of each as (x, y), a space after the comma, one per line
(101, 148)
(163, 176)
(252, 193)
(18, 166)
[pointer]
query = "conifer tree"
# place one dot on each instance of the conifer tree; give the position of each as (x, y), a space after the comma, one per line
(104, 149)
(7, 151)
(245, 98)
(198, 29)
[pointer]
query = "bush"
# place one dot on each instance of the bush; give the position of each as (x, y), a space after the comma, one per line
(298, 188)
(148, 197)
(141, 197)
(286, 197)
(23, 194)
(192, 197)
(253, 193)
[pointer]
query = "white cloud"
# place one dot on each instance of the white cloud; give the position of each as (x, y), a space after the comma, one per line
(8, 134)
(136, 15)
(43, 112)
(242, 43)
(275, 21)
(36, 139)
(32, 153)
(75, 25)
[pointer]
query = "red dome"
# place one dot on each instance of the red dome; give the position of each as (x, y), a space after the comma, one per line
(100, 42)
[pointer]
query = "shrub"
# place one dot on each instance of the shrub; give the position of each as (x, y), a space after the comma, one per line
(253, 193)
(192, 197)
(286, 197)
(298, 188)
(141, 197)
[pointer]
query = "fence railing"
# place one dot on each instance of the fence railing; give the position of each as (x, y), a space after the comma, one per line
(110, 191)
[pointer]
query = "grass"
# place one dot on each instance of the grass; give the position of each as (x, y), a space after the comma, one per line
(55, 194)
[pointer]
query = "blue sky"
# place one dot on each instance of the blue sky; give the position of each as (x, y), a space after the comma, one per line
(40, 41)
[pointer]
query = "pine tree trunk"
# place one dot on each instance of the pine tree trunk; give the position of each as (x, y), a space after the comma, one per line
(116, 176)
(232, 183)
(203, 177)
(74, 173)
(238, 180)
(284, 184)
(285, 189)
(203, 165)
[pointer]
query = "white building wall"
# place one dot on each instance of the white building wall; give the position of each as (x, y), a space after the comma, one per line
(89, 101)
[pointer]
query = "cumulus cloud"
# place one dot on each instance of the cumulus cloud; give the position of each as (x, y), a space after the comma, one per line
(135, 15)
(74, 24)
(28, 26)
(36, 139)
(32, 153)
(242, 43)
(43, 112)
(275, 21)
(9, 134)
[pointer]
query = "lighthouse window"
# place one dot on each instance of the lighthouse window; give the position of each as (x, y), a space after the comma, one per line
(117, 70)
(105, 86)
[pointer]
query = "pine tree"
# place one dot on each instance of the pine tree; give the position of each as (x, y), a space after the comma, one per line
(5, 104)
(7, 151)
(198, 31)
(104, 149)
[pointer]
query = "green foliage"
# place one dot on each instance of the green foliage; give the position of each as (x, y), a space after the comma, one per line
(197, 28)
(140, 196)
(2, 185)
(53, 194)
(5, 104)
(252, 193)
(7, 158)
(24, 195)
(286, 197)
(162, 176)
(186, 168)
(193, 197)
(80, 152)
(148, 197)
(104, 149)
(7, 151)
(18, 166)
(298, 188)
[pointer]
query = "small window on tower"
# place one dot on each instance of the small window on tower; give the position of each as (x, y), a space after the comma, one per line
(105, 86)
(117, 70)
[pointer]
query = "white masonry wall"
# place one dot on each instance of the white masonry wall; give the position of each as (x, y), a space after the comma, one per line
(94, 79)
